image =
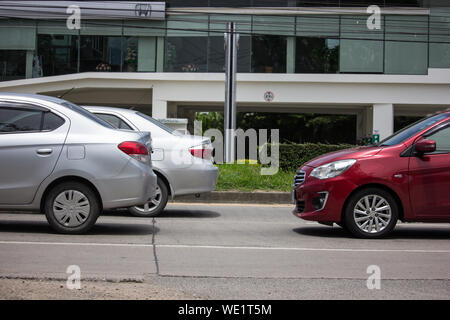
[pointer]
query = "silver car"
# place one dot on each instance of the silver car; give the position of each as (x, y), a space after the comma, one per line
(57, 158)
(182, 162)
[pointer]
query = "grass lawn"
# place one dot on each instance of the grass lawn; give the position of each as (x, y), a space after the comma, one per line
(247, 177)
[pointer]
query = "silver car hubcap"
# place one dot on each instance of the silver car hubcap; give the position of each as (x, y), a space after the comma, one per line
(71, 208)
(372, 214)
(153, 205)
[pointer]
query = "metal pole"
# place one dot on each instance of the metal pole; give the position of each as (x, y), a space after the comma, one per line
(231, 45)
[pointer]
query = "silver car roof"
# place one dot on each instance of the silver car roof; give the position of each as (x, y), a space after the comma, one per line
(29, 96)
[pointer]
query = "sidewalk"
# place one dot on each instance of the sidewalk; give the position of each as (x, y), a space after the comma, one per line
(238, 197)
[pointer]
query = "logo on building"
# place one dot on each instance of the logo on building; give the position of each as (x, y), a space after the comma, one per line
(269, 96)
(143, 10)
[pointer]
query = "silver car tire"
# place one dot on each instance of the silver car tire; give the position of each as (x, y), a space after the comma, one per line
(156, 206)
(72, 208)
(371, 213)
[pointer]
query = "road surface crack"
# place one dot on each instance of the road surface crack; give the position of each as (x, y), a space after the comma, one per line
(155, 256)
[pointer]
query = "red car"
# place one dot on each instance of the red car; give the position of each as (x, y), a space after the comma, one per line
(367, 189)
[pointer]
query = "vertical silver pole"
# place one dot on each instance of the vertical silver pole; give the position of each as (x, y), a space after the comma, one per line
(231, 45)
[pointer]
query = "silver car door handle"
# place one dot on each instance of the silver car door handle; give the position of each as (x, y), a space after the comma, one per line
(44, 152)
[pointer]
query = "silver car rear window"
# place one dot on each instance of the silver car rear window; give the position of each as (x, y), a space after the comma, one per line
(86, 113)
(157, 123)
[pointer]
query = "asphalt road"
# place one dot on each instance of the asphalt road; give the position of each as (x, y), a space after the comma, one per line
(233, 252)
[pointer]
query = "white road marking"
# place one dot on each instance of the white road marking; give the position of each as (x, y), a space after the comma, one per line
(180, 246)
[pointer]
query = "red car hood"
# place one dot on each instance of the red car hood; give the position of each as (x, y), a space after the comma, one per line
(354, 153)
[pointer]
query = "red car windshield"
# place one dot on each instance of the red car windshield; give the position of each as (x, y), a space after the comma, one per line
(412, 129)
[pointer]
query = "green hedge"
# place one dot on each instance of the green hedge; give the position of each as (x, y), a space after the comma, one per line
(292, 156)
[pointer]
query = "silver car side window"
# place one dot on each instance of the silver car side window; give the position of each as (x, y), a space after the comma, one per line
(20, 120)
(26, 119)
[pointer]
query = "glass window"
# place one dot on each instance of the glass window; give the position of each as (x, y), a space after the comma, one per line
(58, 54)
(439, 38)
(20, 120)
(157, 123)
(230, 3)
(268, 54)
(51, 121)
(130, 55)
(186, 54)
(412, 129)
(361, 49)
(100, 53)
(442, 138)
(274, 25)
(269, 3)
(360, 3)
(316, 55)
(406, 47)
(216, 54)
(113, 120)
(216, 51)
(16, 34)
(186, 3)
(85, 113)
(12, 64)
(326, 26)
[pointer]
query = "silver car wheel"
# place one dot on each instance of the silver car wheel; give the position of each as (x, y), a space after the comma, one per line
(153, 204)
(71, 208)
(372, 213)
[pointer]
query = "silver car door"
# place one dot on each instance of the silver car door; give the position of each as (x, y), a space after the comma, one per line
(31, 140)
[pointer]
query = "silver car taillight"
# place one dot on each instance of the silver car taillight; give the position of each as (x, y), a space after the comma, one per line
(203, 151)
(135, 150)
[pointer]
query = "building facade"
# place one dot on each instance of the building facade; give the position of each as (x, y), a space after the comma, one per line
(331, 56)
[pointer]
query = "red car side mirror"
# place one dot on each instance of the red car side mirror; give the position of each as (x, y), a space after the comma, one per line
(425, 146)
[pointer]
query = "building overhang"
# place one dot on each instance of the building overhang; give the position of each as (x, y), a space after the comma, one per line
(288, 89)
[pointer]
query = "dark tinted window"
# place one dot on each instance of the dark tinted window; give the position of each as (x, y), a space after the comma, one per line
(115, 121)
(316, 55)
(51, 121)
(19, 120)
(269, 54)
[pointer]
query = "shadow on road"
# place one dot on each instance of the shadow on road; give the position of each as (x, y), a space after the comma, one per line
(113, 229)
(171, 213)
(322, 231)
(121, 229)
(168, 213)
(411, 232)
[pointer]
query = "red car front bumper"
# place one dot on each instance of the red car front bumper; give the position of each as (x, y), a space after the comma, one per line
(309, 194)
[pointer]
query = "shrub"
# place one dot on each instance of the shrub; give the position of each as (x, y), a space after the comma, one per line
(292, 156)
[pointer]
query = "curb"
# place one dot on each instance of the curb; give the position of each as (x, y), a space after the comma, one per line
(237, 197)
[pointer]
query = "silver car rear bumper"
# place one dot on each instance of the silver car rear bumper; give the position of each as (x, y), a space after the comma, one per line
(135, 185)
(199, 178)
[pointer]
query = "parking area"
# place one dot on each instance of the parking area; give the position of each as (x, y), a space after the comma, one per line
(223, 251)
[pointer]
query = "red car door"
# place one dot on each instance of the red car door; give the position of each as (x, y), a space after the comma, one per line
(430, 179)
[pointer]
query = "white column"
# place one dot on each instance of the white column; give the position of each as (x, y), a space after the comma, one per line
(383, 119)
(159, 109)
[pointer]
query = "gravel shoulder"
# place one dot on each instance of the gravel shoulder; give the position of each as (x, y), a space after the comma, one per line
(20, 289)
